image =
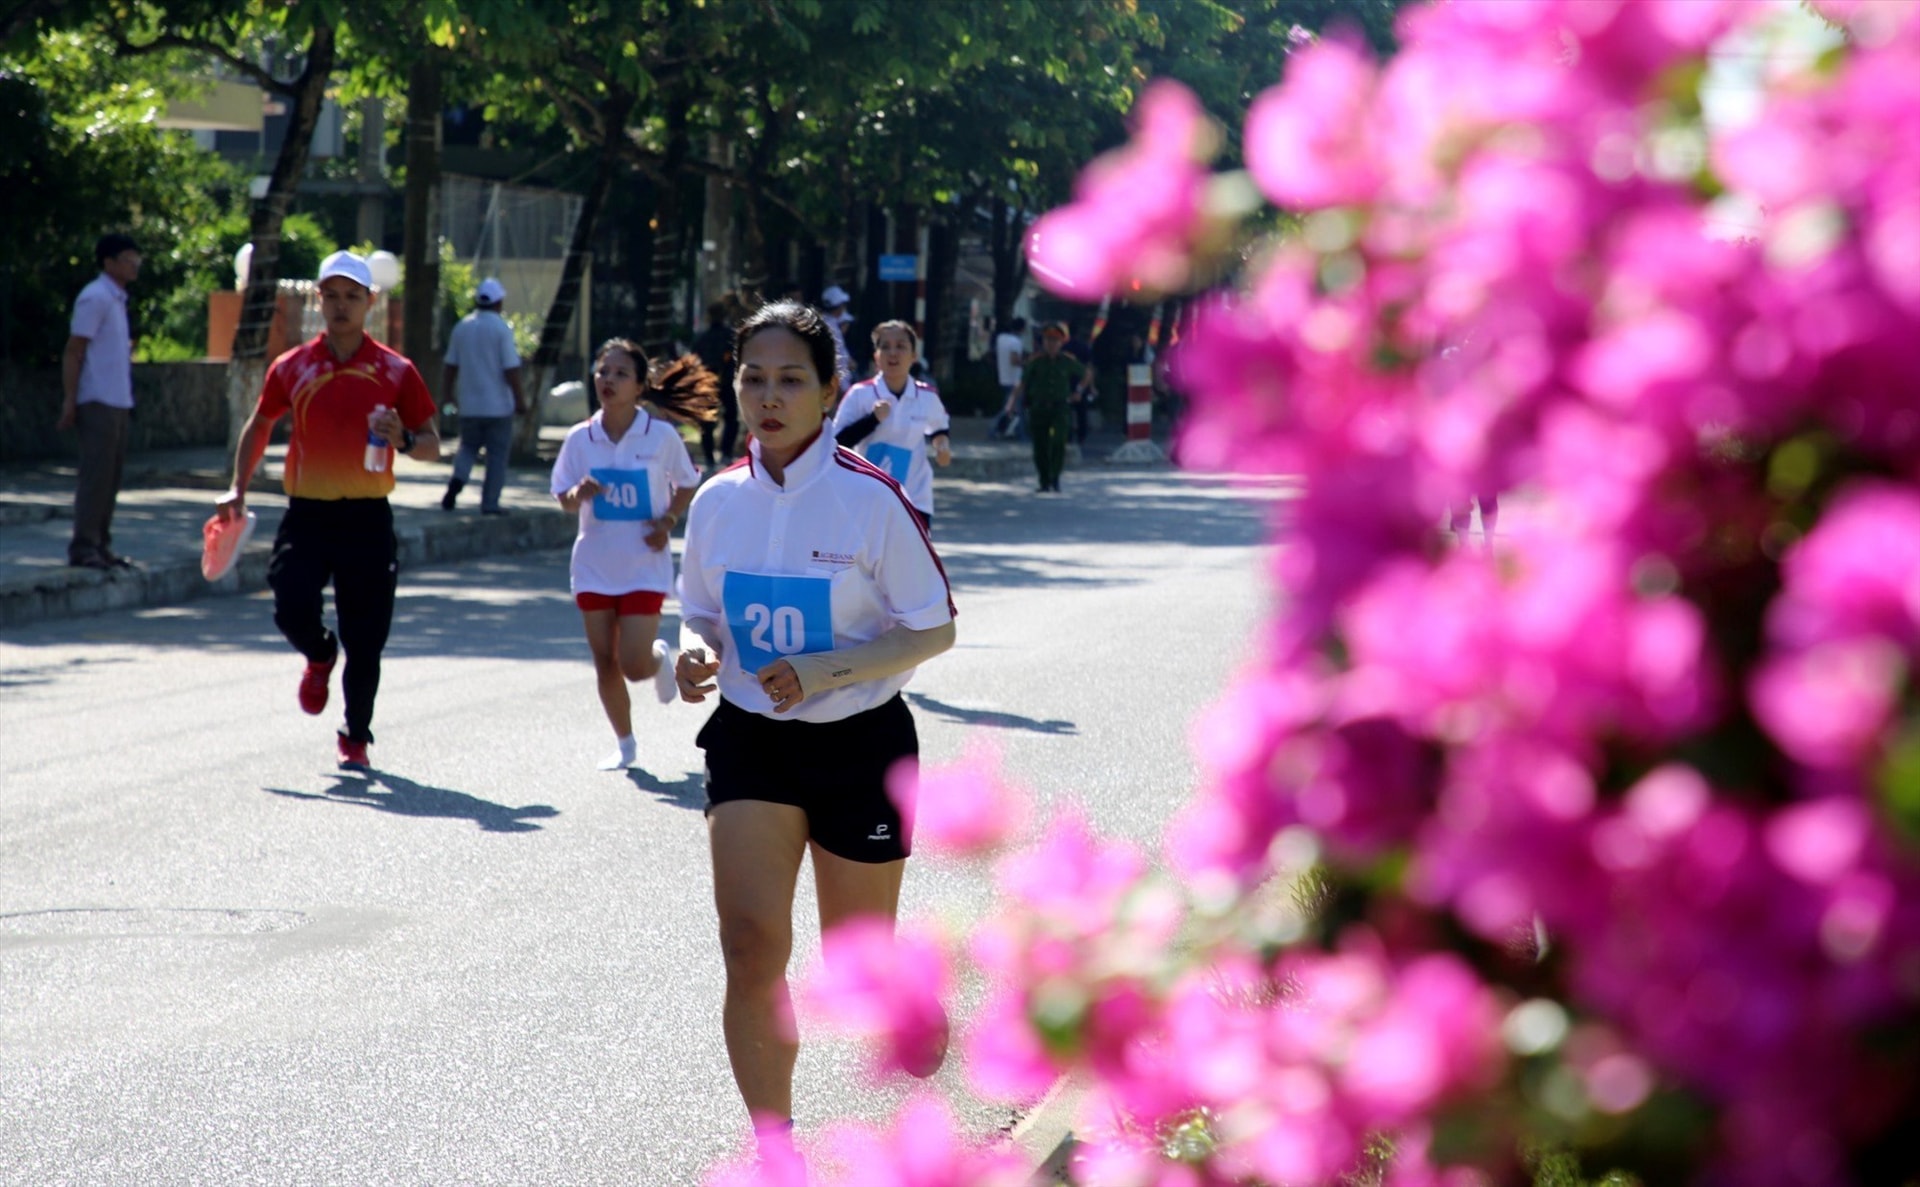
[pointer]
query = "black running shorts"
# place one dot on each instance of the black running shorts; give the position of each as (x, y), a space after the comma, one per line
(834, 771)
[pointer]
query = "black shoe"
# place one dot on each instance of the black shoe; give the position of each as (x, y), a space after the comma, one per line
(453, 492)
(119, 562)
(493, 510)
(95, 561)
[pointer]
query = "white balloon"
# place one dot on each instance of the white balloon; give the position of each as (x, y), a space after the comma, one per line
(385, 267)
(242, 265)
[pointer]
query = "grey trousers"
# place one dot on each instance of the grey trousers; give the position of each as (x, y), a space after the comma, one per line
(495, 435)
(103, 454)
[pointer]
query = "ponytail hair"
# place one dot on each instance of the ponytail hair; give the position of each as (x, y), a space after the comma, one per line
(683, 390)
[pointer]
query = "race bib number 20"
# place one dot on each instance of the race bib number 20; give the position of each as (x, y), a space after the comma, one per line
(770, 618)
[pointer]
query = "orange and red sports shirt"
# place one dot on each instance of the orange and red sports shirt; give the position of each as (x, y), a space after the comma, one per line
(330, 402)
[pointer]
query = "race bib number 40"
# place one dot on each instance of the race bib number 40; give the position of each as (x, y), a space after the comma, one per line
(771, 617)
(624, 494)
(893, 459)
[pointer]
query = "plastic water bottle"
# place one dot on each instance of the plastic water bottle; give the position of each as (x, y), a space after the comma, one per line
(377, 447)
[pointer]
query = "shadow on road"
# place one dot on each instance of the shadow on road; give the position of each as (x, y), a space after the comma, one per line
(387, 792)
(990, 536)
(1116, 507)
(509, 608)
(991, 718)
(688, 791)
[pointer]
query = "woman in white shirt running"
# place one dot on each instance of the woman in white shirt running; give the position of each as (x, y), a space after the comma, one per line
(895, 420)
(817, 592)
(625, 472)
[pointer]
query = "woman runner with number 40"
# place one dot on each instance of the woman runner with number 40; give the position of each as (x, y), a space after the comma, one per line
(816, 591)
(626, 473)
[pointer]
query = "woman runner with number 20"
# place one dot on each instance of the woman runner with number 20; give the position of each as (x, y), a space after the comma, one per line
(626, 473)
(816, 592)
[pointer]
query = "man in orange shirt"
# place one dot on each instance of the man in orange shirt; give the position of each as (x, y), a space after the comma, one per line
(354, 404)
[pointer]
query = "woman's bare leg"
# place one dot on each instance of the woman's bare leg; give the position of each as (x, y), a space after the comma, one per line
(757, 849)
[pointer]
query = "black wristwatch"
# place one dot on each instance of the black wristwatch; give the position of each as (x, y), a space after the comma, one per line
(406, 440)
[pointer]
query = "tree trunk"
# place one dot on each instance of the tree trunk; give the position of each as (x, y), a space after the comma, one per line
(1009, 259)
(718, 228)
(946, 323)
(871, 296)
(667, 231)
(906, 242)
(248, 367)
(614, 114)
(421, 296)
(754, 273)
(845, 268)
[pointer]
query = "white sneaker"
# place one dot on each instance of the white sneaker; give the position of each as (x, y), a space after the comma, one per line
(664, 685)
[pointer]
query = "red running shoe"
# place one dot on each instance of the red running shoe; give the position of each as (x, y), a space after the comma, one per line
(353, 755)
(313, 686)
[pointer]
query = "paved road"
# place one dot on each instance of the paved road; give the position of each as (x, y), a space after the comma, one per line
(222, 961)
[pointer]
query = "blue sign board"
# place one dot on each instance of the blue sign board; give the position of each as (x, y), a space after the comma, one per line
(899, 267)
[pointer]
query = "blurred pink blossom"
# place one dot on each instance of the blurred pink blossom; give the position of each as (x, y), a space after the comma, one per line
(874, 982)
(1137, 211)
(966, 808)
(924, 1148)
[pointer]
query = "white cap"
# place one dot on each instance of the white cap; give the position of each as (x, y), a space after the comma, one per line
(490, 292)
(345, 263)
(834, 296)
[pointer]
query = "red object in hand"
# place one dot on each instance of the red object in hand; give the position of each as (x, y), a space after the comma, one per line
(221, 540)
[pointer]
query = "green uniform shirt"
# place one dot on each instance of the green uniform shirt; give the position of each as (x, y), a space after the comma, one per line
(1050, 381)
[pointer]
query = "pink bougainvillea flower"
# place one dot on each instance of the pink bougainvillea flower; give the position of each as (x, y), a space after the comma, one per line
(1007, 1057)
(1857, 572)
(1829, 704)
(1138, 212)
(966, 808)
(924, 1148)
(1308, 141)
(874, 982)
(1072, 875)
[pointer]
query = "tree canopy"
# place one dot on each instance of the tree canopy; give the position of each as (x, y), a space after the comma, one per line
(955, 109)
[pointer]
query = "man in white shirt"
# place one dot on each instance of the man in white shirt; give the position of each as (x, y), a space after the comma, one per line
(488, 394)
(833, 303)
(96, 379)
(1009, 354)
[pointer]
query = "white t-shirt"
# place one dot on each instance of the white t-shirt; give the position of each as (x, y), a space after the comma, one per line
(842, 359)
(482, 347)
(100, 316)
(638, 474)
(831, 559)
(899, 444)
(1007, 348)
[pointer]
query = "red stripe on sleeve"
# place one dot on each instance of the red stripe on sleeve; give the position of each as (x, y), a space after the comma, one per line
(859, 465)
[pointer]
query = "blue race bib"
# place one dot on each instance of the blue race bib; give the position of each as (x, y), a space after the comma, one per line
(771, 618)
(624, 494)
(895, 460)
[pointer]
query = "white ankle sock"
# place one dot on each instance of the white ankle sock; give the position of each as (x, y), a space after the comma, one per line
(621, 758)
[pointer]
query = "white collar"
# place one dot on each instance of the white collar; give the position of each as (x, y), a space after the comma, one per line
(803, 469)
(598, 424)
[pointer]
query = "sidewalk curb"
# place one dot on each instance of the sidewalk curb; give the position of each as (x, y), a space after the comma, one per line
(67, 592)
(1045, 1135)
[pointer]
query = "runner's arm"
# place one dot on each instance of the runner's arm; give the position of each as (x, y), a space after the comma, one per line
(246, 459)
(894, 652)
